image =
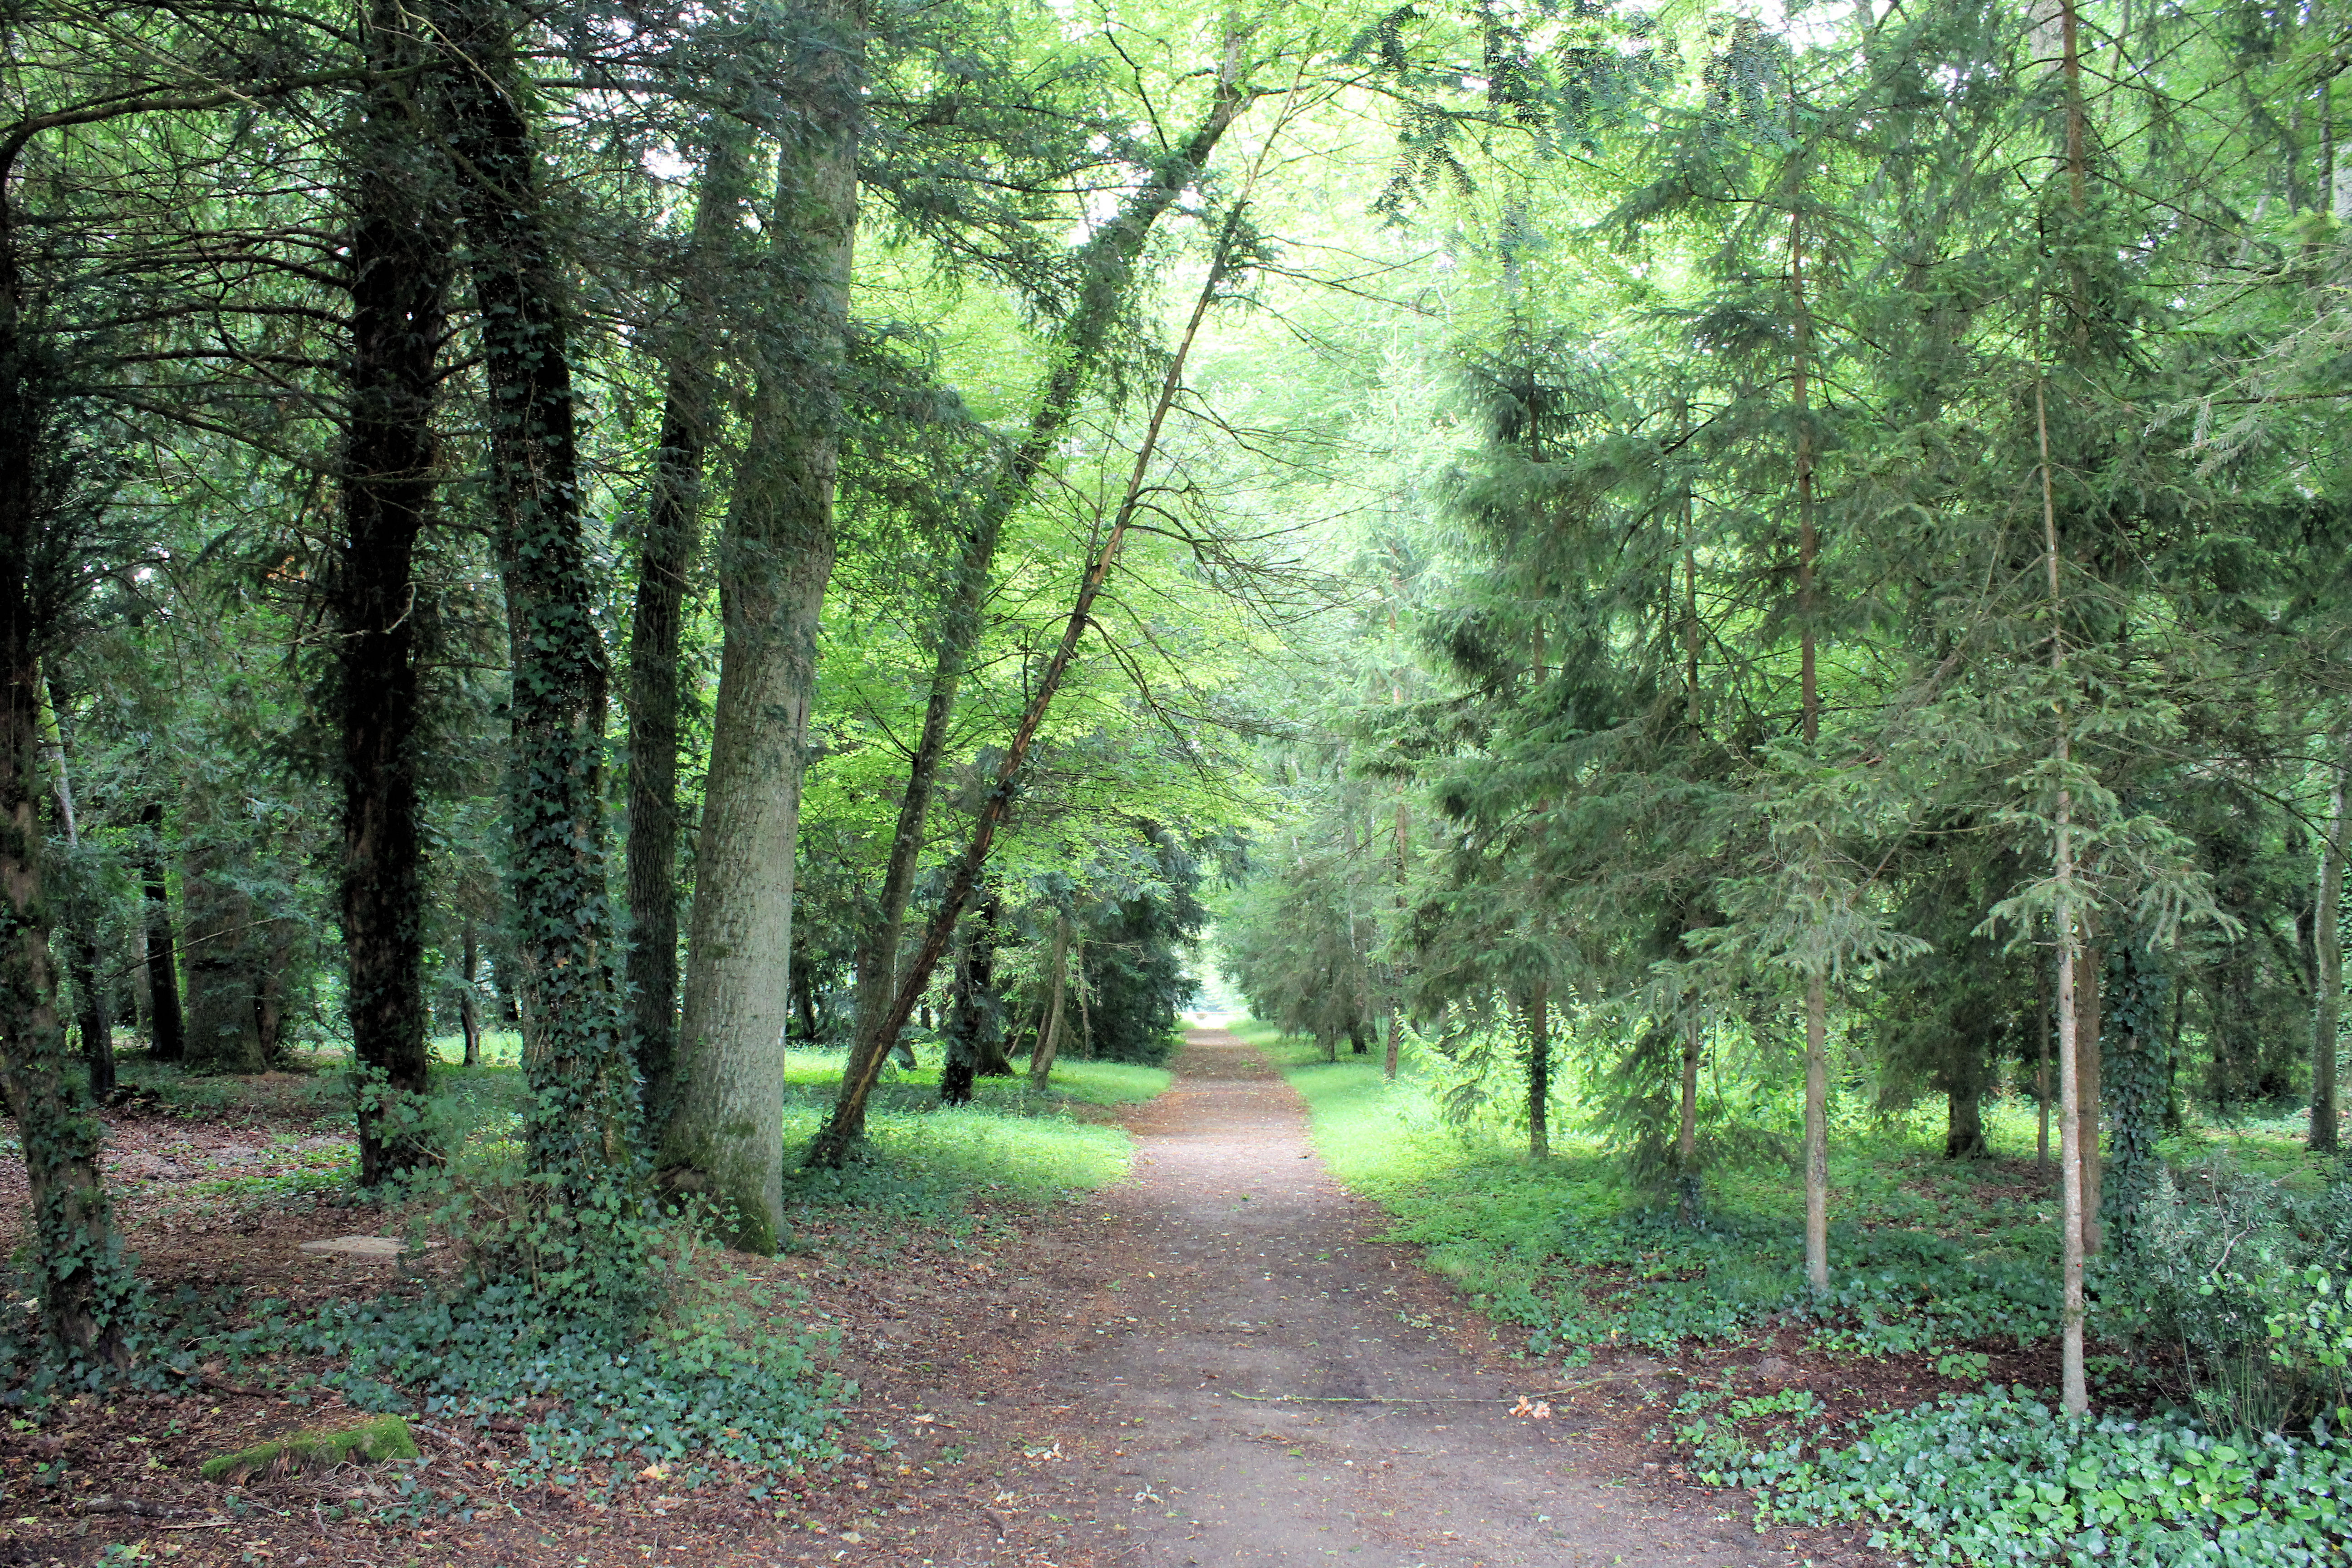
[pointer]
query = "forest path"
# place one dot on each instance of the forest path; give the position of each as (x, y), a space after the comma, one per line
(1275, 1387)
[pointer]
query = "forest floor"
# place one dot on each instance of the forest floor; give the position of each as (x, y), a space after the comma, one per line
(1213, 1363)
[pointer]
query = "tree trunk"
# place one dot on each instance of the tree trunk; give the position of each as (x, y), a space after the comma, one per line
(1964, 1132)
(399, 274)
(2327, 969)
(673, 534)
(82, 944)
(975, 1016)
(224, 1027)
(2075, 1391)
(1686, 1174)
(78, 1271)
(1106, 262)
(1537, 1010)
(831, 1145)
(725, 1130)
(580, 1123)
(1816, 1133)
(469, 1012)
(1049, 1039)
(169, 1041)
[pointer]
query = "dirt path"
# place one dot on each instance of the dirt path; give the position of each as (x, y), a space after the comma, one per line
(1275, 1388)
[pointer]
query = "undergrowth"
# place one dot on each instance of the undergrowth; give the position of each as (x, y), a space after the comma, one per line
(2237, 1285)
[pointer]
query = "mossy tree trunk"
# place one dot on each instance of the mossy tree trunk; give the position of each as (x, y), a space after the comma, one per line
(724, 1133)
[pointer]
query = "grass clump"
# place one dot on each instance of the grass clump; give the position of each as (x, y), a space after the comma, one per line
(370, 1443)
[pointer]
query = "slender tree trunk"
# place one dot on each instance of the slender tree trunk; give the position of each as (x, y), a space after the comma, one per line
(1537, 1010)
(2074, 1393)
(2328, 954)
(831, 1145)
(580, 1129)
(399, 274)
(1817, 1077)
(725, 1129)
(79, 1278)
(1106, 263)
(169, 1042)
(673, 534)
(1686, 1122)
(96, 1024)
(1049, 1040)
(469, 1010)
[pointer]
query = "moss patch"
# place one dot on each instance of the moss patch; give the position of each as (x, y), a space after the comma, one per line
(385, 1438)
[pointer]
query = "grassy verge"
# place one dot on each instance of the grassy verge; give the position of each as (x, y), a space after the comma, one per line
(1943, 1276)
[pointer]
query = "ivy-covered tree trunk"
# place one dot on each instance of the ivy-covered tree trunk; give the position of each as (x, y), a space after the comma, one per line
(78, 1267)
(2135, 1079)
(1106, 263)
(223, 922)
(469, 1006)
(398, 270)
(976, 1017)
(581, 1126)
(724, 1134)
(666, 552)
(168, 1036)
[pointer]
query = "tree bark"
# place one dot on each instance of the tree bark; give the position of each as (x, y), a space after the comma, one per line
(469, 1011)
(665, 552)
(2075, 1391)
(1817, 1117)
(399, 275)
(169, 1041)
(580, 1123)
(974, 1024)
(1108, 263)
(78, 1276)
(93, 1017)
(2327, 967)
(1049, 1037)
(724, 1134)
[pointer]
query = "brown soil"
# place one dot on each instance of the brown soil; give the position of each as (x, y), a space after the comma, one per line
(1215, 1363)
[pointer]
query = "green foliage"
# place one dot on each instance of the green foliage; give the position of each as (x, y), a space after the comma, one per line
(1999, 1479)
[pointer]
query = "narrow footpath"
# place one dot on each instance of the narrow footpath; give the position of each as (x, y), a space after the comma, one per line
(1271, 1386)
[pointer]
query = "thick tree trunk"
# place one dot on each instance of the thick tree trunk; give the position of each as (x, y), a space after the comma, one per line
(78, 1273)
(1106, 262)
(666, 552)
(580, 1130)
(224, 1025)
(1049, 1036)
(725, 1132)
(399, 275)
(1964, 1132)
(1537, 1011)
(975, 1017)
(169, 1041)
(2327, 953)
